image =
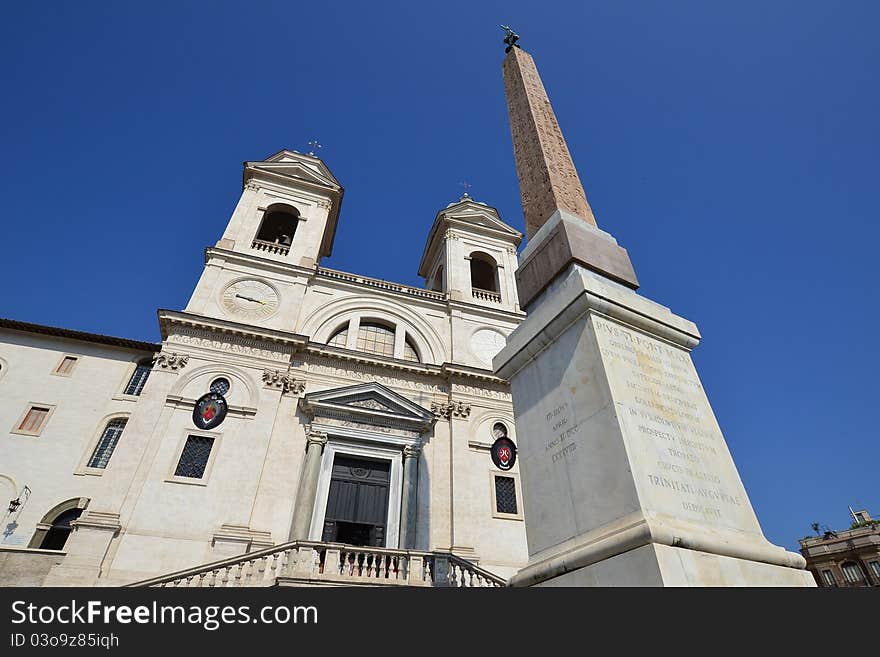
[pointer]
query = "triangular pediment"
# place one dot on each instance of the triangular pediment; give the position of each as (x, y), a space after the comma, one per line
(367, 402)
(291, 164)
(479, 214)
(466, 215)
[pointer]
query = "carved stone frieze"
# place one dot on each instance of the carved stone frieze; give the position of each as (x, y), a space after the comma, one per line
(359, 372)
(284, 381)
(230, 344)
(452, 409)
(172, 361)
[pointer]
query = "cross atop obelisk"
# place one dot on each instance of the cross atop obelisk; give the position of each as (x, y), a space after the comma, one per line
(560, 224)
(548, 180)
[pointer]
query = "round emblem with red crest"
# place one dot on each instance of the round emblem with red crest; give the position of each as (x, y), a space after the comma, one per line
(503, 453)
(210, 411)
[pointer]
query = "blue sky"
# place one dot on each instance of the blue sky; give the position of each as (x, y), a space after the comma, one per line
(732, 148)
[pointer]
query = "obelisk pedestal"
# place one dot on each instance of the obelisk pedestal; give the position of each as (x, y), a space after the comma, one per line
(626, 477)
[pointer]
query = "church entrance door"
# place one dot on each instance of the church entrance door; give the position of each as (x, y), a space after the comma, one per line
(357, 505)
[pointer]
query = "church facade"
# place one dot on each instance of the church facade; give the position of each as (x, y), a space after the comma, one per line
(286, 403)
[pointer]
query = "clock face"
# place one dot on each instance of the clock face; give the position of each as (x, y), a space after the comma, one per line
(250, 299)
(485, 343)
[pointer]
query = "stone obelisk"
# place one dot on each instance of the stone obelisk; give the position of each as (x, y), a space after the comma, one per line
(627, 479)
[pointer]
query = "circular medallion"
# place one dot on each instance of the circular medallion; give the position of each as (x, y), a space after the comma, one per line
(485, 343)
(250, 299)
(503, 453)
(210, 411)
(360, 473)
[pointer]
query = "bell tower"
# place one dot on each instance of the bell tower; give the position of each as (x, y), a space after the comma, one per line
(287, 212)
(471, 255)
(283, 224)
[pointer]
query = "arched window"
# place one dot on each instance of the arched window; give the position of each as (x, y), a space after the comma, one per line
(409, 352)
(340, 338)
(484, 272)
(57, 535)
(499, 431)
(220, 386)
(278, 225)
(53, 530)
(139, 377)
(109, 440)
(375, 338)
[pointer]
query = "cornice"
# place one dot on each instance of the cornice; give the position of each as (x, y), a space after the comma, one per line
(294, 342)
(286, 180)
(271, 265)
(447, 371)
(69, 334)
(498, 313)
(168, 319)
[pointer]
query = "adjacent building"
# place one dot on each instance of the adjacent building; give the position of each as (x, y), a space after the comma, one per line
(846, 558)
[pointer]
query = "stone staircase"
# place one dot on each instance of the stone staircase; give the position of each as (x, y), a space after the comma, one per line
(308, 563)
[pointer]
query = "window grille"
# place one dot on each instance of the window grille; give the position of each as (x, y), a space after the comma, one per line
(852, 573)
(340, 338)
(409, 352)
(828, 576)
(505, 495)
(376, 339)
(875, 568)
(107, 444)
(220, 386)
(138, 379)
(194, 458)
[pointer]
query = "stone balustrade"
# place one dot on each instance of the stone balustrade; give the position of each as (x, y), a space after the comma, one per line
(308, 563)
(486, 295)
(270, 247)
(382, 285)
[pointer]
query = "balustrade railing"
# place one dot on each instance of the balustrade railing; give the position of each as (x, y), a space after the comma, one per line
(382, 285)
(306, 562)
(270, 247)
(486, 295)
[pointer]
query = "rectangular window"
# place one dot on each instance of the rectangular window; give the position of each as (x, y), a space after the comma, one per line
(828, 576)
(505, 495)
(194, 458)
(138, 380)
(34, 420)
(852, 573)
(65, 367)
(107, 444)
(875, 568)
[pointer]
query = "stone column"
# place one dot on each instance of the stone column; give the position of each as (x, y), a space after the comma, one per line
(409, 498)
(308, 486)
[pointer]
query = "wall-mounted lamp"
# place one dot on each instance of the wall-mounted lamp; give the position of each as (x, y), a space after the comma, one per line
(17, 502)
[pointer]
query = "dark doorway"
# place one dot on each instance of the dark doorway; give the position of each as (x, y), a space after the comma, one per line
(56, 537)
(357, 506)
